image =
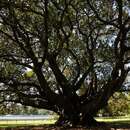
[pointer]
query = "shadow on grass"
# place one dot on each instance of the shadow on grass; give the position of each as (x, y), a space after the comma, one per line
(116, 125)
(120, 125)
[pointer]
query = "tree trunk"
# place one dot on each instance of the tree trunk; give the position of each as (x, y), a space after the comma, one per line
(88, 120)
(68, 119)
(74, 115)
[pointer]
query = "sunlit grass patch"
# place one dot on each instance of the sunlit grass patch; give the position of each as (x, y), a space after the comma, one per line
(123, 119)
(14, 123)
(22, 123)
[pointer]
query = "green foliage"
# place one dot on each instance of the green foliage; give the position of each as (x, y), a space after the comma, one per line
(118, 105)
(29, 74)
(17, 109)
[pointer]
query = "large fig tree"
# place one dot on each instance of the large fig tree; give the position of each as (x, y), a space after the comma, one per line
(67, 56)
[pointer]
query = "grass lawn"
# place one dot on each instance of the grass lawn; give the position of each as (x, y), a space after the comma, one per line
(114, 121)
(14, 123)
(117, 122)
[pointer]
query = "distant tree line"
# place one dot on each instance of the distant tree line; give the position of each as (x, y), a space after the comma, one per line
(18, 109)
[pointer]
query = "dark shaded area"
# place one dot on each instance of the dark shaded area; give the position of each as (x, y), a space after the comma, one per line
(121, 125)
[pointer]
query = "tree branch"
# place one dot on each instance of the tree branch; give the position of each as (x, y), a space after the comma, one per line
(81, 80)
(99, 18)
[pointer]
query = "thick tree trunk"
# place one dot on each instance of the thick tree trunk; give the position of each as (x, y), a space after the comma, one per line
(86, 120)
(74, 115)
(68, 119)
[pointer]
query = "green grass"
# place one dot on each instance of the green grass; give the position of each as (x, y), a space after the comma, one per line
(14, 123)
(116, 121)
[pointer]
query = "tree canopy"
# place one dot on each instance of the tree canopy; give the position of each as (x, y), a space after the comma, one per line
(66, 56)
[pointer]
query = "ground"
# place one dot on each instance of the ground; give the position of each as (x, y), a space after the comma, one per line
(110, 123)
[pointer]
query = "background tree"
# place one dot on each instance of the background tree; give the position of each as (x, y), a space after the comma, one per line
(8, 108)
(69, 45)
(118, 105)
